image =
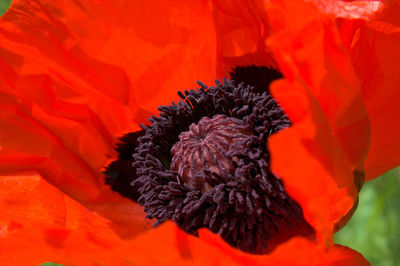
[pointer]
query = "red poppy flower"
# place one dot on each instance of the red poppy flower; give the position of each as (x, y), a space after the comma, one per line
(77, 76)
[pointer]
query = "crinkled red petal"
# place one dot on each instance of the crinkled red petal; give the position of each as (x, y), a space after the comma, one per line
(319, 155)
(375, 54)
(49, 226)
(78, 75)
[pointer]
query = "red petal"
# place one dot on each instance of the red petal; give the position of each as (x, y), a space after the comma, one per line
(76, 76)
(317, 156)
(311, 162)
(375, 54)
(351, 9)
(69, 234)
(36, 214)
(241, 30)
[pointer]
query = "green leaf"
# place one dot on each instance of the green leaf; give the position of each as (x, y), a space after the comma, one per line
(4, 4)
(374, 229)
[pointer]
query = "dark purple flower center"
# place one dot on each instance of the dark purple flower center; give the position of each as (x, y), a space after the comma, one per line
(203, 162)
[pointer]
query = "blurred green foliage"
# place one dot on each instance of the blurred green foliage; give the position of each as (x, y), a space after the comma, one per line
(4, 4)
(374, 229)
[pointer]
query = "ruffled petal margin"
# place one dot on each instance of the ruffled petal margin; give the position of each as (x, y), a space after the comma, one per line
(69, 234)
(370, 31)
(321, 157)
(375, 54)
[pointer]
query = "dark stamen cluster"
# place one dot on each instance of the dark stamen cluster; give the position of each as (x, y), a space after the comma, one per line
(217, 174)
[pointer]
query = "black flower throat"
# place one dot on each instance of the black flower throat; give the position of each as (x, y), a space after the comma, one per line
(204, 163)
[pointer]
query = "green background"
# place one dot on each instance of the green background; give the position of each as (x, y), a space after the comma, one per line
(4, 5)
(374, 229)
